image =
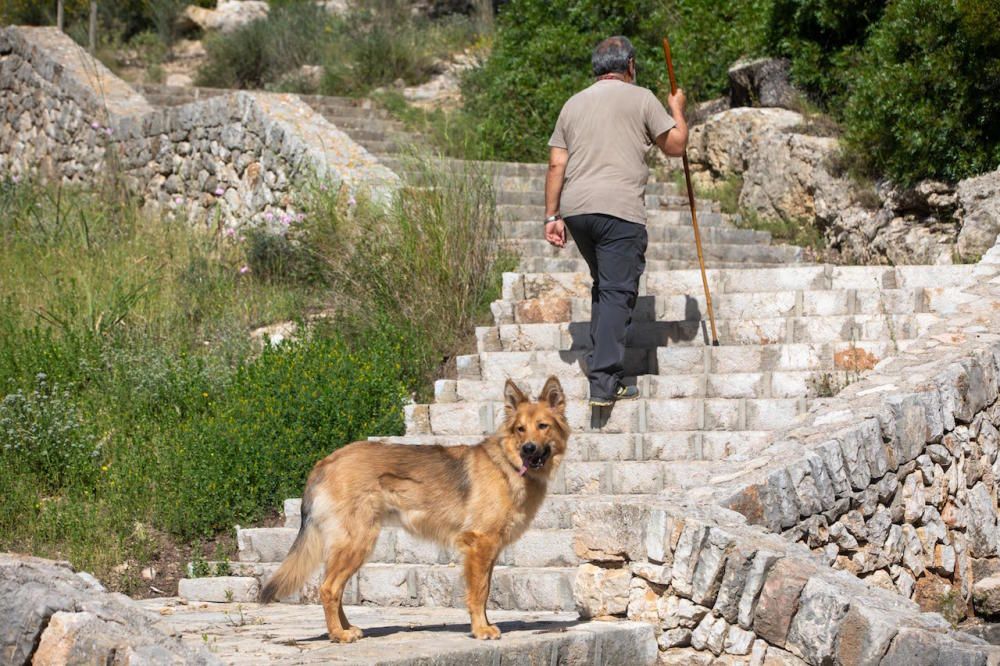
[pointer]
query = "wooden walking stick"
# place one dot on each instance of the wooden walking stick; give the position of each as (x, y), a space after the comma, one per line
(694, 215)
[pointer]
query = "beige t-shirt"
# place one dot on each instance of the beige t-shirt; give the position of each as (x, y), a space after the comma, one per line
(607, 129)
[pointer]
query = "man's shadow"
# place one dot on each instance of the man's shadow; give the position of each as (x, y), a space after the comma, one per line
(643, 337)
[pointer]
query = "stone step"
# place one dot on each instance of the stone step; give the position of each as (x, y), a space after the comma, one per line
(537, 547)
(658, 233)
(675, 360)
(354, 123)
(564, 323)
(676, 445)
(526, 284)
(752, 331)
(670, 251)
(643, 415)
(248, 634)
(560, 265)
(432, 585)
(369, 135)
(779, 384)
(706, 210)
(536, 185)
(404, 165)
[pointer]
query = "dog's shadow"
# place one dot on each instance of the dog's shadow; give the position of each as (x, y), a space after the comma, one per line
(534, 627)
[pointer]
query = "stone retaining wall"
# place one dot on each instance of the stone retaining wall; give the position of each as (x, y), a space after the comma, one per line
(858, 537)
(64, 115)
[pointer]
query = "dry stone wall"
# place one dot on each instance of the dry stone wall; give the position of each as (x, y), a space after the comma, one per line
(236, 156)
(862, 535)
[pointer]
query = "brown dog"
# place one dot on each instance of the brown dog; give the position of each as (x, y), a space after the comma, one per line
(477, 499)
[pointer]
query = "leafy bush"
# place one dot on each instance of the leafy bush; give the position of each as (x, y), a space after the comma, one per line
(822, 39)
(260, 53)
(42, 431)
(285, 410)
(374, 45)
(541, 56)
(925, 101)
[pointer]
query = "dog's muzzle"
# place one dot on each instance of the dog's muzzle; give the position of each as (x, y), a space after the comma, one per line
(534, 456)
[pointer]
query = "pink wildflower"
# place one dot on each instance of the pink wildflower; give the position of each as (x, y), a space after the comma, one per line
(268, 216)
(95, 125)
(219, 191)
(244, 269)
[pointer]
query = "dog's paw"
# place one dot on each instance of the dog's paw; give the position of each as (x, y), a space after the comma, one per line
(346, 635)
(488, 633)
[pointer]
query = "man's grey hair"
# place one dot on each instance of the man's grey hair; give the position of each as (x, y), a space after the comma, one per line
(612, 55)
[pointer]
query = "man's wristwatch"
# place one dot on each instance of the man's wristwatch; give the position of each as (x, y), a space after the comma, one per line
(553, 218)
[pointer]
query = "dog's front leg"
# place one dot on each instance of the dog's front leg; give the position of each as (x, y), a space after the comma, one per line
(480, 551)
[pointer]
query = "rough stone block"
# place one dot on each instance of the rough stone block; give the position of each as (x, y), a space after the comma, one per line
(220, 589)
(759, 570)
(609, 531)
(600, 592)
(686, 556)
(814, 629)
(709, 570)
(779, 599)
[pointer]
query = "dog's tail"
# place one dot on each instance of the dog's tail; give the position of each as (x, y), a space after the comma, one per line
(304, 556)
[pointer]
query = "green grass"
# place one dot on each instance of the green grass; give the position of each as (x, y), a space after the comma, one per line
(137, 416)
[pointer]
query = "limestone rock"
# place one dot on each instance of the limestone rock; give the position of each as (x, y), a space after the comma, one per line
(228, 15)
(600, 592)
(986, 596)
(44, 606)
(761, 82)
(779, 600)
(979, 198)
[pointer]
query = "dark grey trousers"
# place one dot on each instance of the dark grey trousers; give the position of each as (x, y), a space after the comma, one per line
(615, 251)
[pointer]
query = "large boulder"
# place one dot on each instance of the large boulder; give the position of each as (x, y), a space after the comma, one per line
(51, 615)
(226, 17)
(979, 199)
(762, 82)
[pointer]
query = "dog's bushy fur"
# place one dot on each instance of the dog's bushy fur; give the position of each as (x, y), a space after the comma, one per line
(477, 499)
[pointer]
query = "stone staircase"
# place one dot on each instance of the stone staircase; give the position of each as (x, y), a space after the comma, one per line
(789, 332)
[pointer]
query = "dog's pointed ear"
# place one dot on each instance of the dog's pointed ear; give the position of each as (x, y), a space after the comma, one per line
(552, 394)
(512, 396)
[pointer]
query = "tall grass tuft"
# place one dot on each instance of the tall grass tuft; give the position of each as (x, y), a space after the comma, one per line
(430, 262)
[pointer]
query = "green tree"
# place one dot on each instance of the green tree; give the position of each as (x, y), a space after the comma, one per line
(925, 101)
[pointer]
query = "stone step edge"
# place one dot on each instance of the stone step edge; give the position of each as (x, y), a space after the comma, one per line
(514, 588)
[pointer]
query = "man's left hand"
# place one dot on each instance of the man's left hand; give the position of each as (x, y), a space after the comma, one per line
(555, 233)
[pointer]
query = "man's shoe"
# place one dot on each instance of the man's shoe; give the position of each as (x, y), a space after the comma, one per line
(622, 393)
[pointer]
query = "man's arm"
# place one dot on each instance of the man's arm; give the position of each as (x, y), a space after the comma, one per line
(555, 232)
(674, 141)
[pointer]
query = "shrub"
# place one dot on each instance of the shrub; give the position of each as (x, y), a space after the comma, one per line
(541, 56)
(42, 432)
(822, 39)
(924, 103)
(285, 410)
(260, 53)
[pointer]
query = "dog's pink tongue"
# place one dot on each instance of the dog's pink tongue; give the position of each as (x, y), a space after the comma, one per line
(524, 468)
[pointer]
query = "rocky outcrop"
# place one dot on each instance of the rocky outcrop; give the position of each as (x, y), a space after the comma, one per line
(64, 115)
(979, 199)
(228, 16)
(762, 82)
(790, 173)
(50, 615)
